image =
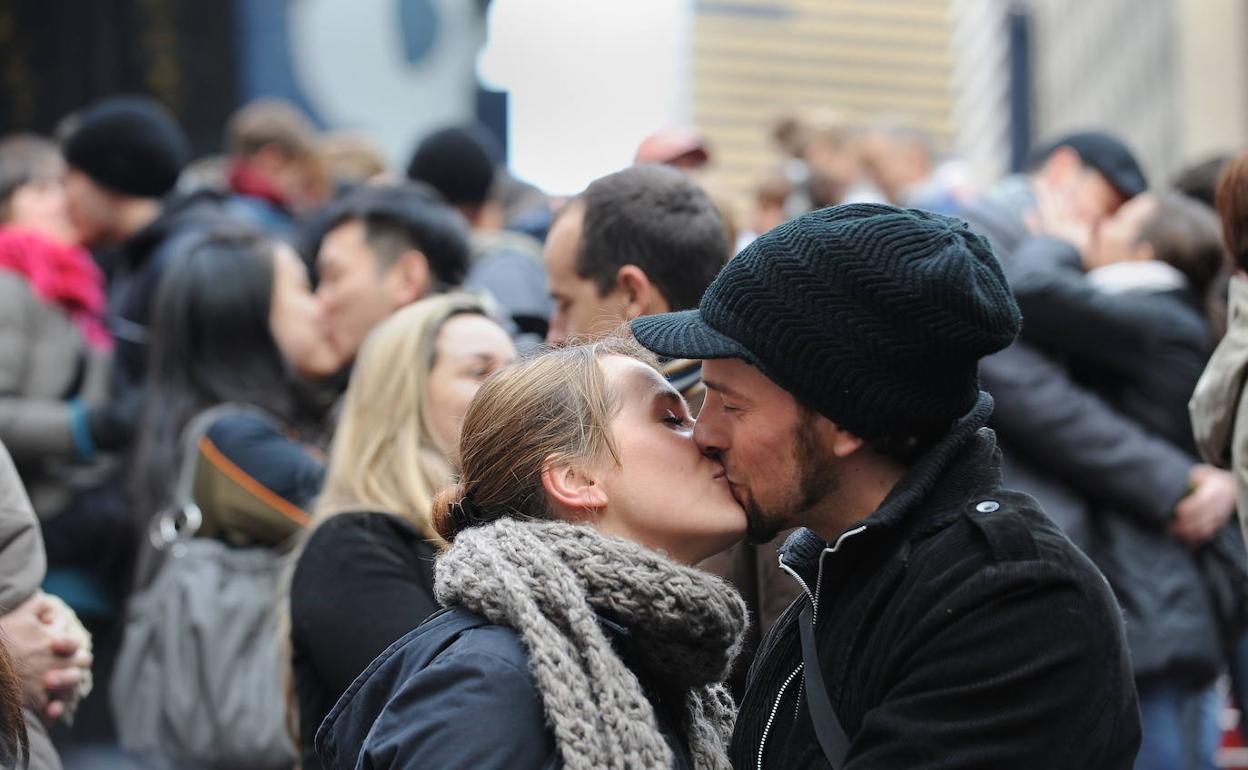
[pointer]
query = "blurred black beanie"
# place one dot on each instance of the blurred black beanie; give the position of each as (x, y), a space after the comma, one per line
(128, 144)
(459, 162)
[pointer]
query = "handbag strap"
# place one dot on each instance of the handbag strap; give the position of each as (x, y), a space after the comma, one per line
(828, 730)
(182, 518)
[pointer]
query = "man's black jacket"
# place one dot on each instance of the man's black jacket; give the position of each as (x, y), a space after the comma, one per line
(957, 627)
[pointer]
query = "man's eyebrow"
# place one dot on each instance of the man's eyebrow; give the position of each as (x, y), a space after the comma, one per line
(723, 389)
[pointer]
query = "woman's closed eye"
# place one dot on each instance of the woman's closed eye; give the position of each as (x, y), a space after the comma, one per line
(680, 420)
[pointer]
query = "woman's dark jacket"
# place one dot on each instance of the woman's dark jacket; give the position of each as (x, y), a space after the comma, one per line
(362, 581)
(1142, 351)
(457, 693)
(956, 627)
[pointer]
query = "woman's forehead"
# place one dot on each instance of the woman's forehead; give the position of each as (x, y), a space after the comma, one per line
(634, 379)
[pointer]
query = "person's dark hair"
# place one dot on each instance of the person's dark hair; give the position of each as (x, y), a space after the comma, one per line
(1232, 202)
(1200, 180)
(659, 219)
(555, 404)
(211, 344)
(399, 217)
(1101, 152)
(459, 162)
(14, 742)
(1184, 233)
(24, 158)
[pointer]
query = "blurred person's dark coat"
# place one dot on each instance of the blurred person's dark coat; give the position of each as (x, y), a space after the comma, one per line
(1142, 348)
(1062, 443)
(138, 264)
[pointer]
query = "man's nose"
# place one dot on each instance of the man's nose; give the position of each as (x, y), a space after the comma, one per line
(556, 335)
(707, 433)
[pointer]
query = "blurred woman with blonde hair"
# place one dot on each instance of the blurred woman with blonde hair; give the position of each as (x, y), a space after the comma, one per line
(365, 575)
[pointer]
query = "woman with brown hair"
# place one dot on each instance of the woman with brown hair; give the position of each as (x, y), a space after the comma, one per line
(576, 632)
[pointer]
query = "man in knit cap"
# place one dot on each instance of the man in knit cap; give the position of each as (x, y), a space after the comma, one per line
(124, 154)
(946, 621)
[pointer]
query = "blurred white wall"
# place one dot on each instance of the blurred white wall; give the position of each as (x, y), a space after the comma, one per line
(1213, 63)
(349, 58)
(587, 81)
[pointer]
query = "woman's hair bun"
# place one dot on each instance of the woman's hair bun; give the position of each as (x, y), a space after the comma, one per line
(442, 514)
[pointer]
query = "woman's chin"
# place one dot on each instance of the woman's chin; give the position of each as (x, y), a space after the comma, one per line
(732, 533)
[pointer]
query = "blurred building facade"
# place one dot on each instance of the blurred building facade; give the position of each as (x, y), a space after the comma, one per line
(581, 84)
(985, 79)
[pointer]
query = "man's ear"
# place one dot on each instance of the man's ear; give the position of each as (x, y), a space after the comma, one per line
(845, 443)
(640, 295)
(412, 276)
(572, 491)
(840, 442)
(834, 438)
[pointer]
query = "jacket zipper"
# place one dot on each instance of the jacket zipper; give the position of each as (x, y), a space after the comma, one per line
(774, 709)
(814, 617)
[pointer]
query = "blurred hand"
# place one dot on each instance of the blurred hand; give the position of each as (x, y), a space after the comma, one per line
(1207, 508)
(1056, 216)
(66, 691)
(50, 651)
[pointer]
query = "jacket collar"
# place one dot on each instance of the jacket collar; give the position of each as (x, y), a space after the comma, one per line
(965, 460)
(176, 211)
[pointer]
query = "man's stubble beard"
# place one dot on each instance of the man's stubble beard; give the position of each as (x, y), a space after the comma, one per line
(817, 479)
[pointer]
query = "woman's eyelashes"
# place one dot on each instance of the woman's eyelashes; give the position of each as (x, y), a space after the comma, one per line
(679, 420)
(482, 369)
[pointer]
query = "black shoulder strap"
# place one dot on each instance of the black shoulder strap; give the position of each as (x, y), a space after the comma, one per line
(832, 738)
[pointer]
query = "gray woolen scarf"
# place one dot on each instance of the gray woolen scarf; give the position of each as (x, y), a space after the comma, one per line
(547, 579)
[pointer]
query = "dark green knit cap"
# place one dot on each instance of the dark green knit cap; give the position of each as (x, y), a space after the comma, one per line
(872, 315)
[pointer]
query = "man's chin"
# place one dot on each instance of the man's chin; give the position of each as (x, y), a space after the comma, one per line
(761, 529)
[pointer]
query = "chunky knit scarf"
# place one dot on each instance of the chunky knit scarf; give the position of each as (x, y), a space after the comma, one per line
(547, 580)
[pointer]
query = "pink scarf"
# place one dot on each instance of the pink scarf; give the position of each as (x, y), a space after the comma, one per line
(60, 274)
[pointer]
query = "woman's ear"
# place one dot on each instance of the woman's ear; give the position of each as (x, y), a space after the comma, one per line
(573, 492)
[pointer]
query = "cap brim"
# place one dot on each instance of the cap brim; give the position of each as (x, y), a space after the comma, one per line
(684, 335)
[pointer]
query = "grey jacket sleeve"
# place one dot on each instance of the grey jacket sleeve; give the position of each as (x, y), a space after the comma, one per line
(36, 428)
(22, 560)
(30, 427)
(1080, 439)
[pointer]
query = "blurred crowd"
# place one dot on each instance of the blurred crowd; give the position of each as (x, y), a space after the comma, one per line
(257, 366)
